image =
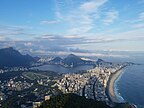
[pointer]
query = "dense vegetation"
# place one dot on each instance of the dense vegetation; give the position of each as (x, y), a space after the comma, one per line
(72, 101)
(75, 101)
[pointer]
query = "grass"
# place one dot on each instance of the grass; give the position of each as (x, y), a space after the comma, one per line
(34, 76)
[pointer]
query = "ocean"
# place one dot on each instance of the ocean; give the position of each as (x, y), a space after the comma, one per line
(130, 85)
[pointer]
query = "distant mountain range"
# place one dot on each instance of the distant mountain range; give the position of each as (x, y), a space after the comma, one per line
(71, 61)
(10, 57)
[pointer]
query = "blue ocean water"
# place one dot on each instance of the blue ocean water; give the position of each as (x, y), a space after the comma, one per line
(131, 85)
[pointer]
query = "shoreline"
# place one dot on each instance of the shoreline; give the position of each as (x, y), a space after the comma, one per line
(118, 95)
(111, 86)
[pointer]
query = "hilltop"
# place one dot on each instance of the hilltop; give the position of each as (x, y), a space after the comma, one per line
(75, 101)
(9, 57)
(71, 61)
(72, 101)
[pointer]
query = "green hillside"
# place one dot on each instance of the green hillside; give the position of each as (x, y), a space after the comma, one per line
(72, 101)
(75, 101)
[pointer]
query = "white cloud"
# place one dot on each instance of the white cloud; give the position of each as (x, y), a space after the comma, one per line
(49, 22)
(138, 26)
(80, 18)
(111, 16)
(72, 36)
(141, 16)
(133, 35)
(48, 36)
(92, 5)
(28, 44)
(16, 32)
(138, 22)
(2, 38)
(89, 6)
(81, 29)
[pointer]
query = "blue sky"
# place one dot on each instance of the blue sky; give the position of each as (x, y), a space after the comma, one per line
(62, 25)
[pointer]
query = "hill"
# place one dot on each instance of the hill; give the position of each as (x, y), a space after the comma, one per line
(56, 60)
(75, 101)
(73, 60)
(10, 57)
(72, 101)
(103, 63)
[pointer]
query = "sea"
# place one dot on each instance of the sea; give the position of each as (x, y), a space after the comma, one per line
(130, 85)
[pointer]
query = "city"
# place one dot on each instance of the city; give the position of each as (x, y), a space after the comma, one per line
(41, 86)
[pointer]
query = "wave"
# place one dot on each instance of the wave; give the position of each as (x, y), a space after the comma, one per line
(116, 90)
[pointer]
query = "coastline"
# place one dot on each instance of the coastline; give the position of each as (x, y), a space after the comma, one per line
(111, 86)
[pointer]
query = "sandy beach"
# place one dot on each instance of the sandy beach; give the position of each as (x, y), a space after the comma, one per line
(110, 87)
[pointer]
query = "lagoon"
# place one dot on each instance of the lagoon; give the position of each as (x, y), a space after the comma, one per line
(61, 69)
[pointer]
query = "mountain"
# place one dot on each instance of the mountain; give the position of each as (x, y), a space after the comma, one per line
(102, 62)
(36, 58)
(70, 61)
(72, 101)
(73, 61)
(10, 57)
(56, 60)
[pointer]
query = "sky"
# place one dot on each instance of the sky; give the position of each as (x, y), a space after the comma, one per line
(41, 26)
